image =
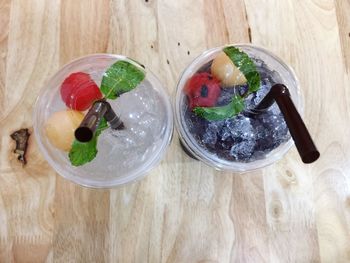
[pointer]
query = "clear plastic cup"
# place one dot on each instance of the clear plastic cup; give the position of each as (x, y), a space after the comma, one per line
(123, 155)
(193, 147)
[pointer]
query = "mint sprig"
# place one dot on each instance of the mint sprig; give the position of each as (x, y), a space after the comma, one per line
(84, 152)
(246, 65)
(119, 78)
(220, 113)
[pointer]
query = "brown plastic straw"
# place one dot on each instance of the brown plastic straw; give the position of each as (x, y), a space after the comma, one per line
(301, 136)
(112, 118)
(87, 128)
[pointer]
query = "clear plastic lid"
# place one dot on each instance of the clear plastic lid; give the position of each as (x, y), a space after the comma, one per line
(194, 146)
(123, 155)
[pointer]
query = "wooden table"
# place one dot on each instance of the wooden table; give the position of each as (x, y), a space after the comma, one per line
(183, 211)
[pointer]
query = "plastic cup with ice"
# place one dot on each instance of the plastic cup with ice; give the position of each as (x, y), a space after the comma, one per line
(215, 97)
(112, 156)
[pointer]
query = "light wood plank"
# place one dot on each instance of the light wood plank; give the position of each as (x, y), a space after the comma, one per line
(289, 186)
(84, 28)
(331, 173)
(26, 192)
(342, 12)
(4, 31)
(81, 224)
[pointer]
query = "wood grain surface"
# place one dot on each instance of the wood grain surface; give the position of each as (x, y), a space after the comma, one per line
(182, 211)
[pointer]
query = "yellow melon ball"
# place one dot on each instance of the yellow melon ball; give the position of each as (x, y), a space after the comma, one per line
(60, 128)
(224, 70)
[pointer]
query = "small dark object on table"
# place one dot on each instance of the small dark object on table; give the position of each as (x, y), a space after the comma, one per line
(21, 137)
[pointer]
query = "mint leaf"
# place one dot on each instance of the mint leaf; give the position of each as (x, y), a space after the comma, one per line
(221, 113)
(84, 152)
(119, 78)
(246, 66)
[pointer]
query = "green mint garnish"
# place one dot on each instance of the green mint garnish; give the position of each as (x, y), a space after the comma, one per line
(121, 77)
(220, 113)
(84, 152)
(246, 66)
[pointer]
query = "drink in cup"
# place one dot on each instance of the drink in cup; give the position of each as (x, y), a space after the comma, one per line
(216, 106)
(103, 120)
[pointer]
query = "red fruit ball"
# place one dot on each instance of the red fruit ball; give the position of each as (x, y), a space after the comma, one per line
(79, 91)
(202, 90)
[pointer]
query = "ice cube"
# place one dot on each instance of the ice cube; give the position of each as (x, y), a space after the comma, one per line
(225, 133)
(240, 127)
(271, 130)
(276, 124)
(209, 138)
(243, 150)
